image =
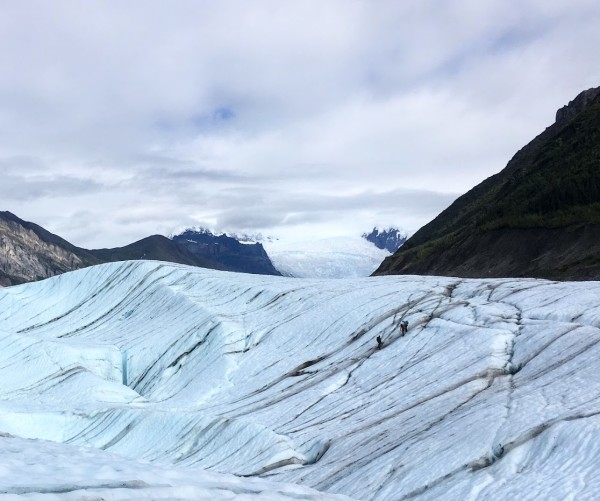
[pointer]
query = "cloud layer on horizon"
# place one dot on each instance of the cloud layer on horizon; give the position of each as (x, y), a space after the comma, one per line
(124, 119)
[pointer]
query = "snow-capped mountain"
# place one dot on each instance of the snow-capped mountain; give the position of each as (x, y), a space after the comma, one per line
(231, 253)
(336, 257)
(493, 393)
(242, 237)
(390, 239)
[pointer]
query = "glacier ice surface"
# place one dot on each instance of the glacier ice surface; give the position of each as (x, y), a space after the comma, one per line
(167, 371)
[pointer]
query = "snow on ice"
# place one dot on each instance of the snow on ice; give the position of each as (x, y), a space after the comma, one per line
(44, 471)
(335, 257)
(159, 381)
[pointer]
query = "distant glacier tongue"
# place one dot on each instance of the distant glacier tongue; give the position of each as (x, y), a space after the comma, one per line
(492, 393)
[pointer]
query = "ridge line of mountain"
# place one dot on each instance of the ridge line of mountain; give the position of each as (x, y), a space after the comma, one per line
(538, 217)
(29, 252)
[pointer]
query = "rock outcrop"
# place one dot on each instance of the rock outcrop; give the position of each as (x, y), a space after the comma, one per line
(28, 252)
(582, 101)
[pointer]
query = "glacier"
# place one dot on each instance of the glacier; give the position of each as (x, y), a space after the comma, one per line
(178, 378)
(333, 257)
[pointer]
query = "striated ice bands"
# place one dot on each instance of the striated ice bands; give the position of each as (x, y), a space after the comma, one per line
(493, 392)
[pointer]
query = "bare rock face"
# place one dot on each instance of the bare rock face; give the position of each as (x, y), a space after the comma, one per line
(577, 105)
(26, 255)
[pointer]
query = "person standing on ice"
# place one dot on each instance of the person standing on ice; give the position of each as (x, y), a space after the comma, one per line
(403, 327)
(379, 342)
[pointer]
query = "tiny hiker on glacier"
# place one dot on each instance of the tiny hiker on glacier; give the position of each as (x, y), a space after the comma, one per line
(379, 342)
(403, 327)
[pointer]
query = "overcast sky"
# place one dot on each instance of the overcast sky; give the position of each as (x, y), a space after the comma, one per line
(297, 118)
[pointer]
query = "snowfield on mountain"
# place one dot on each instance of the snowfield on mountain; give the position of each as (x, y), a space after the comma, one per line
(159, 381)
(334, 257)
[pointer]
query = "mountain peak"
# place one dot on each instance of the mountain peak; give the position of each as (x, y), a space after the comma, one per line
(389, 239)
(577, 105)
(231, 252)
(538, 217)
(245, 238)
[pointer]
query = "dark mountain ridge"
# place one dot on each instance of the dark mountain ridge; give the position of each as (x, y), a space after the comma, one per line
(539, 217)
(226, 250)
(28, 252)
(154, 247)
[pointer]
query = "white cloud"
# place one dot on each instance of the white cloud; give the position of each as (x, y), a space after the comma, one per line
(135, 117)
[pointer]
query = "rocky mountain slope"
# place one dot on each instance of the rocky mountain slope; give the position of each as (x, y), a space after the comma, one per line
(227, 252)
(539, 217)
(156, 247)
(28, 253)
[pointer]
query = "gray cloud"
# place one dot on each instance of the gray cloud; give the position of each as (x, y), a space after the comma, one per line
(26, 189)
(178, 176)
(257, 210)
(136, 117)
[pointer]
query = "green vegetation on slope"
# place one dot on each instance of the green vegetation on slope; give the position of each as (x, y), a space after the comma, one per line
(553, 182)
